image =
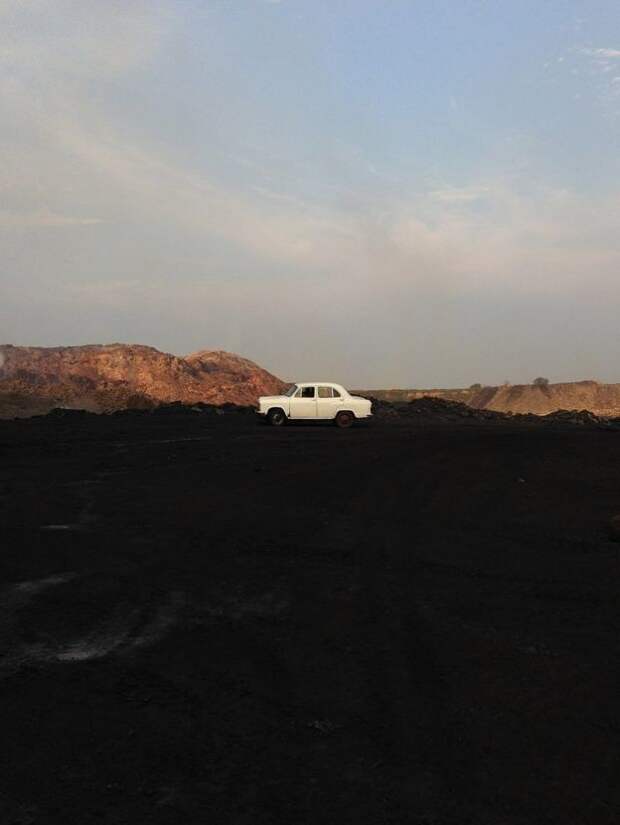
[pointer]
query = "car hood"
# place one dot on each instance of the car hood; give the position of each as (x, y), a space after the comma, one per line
(273, 398)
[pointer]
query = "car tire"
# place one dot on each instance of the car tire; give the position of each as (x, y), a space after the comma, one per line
(344, 419)
(276, 417)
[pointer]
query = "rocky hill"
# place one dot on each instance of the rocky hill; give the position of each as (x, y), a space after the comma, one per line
(102, 378)
(600, 399)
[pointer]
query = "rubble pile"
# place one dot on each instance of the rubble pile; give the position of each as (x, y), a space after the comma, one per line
(170, 409)
(384, 409)
(200, 408)
(431, 409)
(579, 417)
(445, 410)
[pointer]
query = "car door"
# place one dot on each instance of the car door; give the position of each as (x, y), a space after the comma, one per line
(327, 402)
(303, 403)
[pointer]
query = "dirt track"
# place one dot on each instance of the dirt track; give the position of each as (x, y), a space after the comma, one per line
(206, 620)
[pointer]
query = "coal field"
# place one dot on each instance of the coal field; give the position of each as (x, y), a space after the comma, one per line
(411, 621)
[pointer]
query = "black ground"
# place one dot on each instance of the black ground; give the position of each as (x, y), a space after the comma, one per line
(203, 619)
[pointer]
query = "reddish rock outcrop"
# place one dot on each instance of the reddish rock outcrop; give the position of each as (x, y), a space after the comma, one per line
(102, 378)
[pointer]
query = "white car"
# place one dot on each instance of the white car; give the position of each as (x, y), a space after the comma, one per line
(314, 401)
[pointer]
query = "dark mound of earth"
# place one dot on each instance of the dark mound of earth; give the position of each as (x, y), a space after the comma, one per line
(431, 409)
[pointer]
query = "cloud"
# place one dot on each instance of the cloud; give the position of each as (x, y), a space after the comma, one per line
(599, 71)
(459, 195)
(610, 54)
(66, 153)
(43, 218)
(72, 141)
(535, 242)
(42, 38)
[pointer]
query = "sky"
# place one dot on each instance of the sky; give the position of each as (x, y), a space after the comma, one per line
(383, 193)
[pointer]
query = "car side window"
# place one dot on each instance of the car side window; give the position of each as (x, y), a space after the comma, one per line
(325, 392)
(336, 393)
(307, 392)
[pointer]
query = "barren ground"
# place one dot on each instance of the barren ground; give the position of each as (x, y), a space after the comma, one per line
(206, 620)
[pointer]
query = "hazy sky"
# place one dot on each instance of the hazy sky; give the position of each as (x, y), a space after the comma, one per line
(380, 192)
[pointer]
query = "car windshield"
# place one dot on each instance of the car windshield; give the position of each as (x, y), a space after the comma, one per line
(291, 390)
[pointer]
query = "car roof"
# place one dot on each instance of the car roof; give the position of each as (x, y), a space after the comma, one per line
(317, 383)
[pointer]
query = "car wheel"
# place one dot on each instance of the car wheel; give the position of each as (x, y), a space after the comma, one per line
(344, 419)
(276, 418)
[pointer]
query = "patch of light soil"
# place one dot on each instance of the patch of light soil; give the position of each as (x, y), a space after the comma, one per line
(127, 629)
(60, 527)
(85, 649)
(21, 593)
(37, 585)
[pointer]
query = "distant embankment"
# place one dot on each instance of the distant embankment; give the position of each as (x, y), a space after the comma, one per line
(601, 399)
(104, 378)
